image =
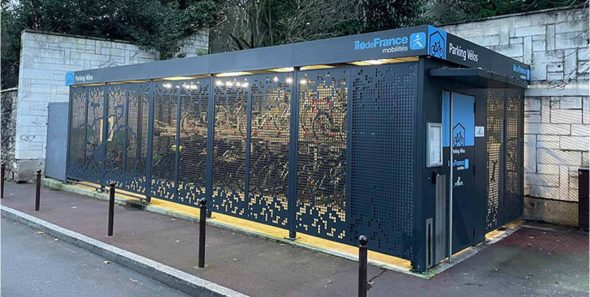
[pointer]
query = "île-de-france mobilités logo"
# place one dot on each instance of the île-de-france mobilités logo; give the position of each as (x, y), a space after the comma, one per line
(70, 78)
(437, 42)
(418, 40)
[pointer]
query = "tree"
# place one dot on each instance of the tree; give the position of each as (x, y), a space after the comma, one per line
(255, 23)
(152, 24)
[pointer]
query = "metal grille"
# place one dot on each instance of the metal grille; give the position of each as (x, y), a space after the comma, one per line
(269, 149)
(321, 168)
(164, 141)
(495, 128)
(77, 133)
(513, 162)
(229, 170)
(134, 178)
(192, 164)
(94, 155)
(116, 132)
(382, 198)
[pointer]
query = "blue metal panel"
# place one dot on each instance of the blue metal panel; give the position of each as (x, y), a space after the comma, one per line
(382, 190)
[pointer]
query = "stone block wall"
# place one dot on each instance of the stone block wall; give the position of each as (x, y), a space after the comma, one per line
(557, 107)
(194, 45)
(44, 60)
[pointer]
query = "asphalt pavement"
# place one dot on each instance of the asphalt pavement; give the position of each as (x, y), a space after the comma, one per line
(34, 264)
(533, 261)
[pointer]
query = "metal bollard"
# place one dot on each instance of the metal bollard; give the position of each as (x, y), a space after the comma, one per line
(363, 266)
(2, 170)
(111, 208)
(37, 190)
(202, 224)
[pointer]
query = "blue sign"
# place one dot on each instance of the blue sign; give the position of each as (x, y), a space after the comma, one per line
(70, 78)
(417, 41)
(463, 129)
(524, 72)
(437, 42)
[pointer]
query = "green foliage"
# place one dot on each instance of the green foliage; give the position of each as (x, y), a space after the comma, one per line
(153, 24)
(385, 14)
(255, 23)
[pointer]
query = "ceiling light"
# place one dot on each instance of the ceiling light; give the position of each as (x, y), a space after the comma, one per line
(227, 74)
(177, 78)
(320, 66)
(275, 79)
(383, 61)
(283, 69)
(167, 85)
(289, 80)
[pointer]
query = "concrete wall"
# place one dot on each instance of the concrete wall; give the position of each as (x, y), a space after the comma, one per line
(44, 60)
(557, 106)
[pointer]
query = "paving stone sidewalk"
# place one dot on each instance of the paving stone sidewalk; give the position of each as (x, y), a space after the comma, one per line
(530, 262)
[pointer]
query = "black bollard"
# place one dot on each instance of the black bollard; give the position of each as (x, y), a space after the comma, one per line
(111, 208)
(363, 266)
(37, 190)
(202, 223)
(2, 170)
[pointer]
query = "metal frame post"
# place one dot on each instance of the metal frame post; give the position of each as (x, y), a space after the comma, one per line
(248, 142)
(150, 143)
(177, 143)
(2, 172)
(210, 142)
(111, 208)
(293, 144)
(37, 189)
(105, 136)
(362, 286)
(202, 229)
(450, 238)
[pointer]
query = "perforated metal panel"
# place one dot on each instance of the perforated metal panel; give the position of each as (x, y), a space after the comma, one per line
(382, 197)
(229, 170)
(164, 156)
(269, 149)
(134, 177)
(321, 168)
(494, 131)
(251, 147)
(192, 165)
(513, 156)
(116, 132)
(77, 133)
(94, 155)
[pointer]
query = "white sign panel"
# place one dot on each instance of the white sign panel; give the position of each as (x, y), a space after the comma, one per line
(479, 131)
(434, 150)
